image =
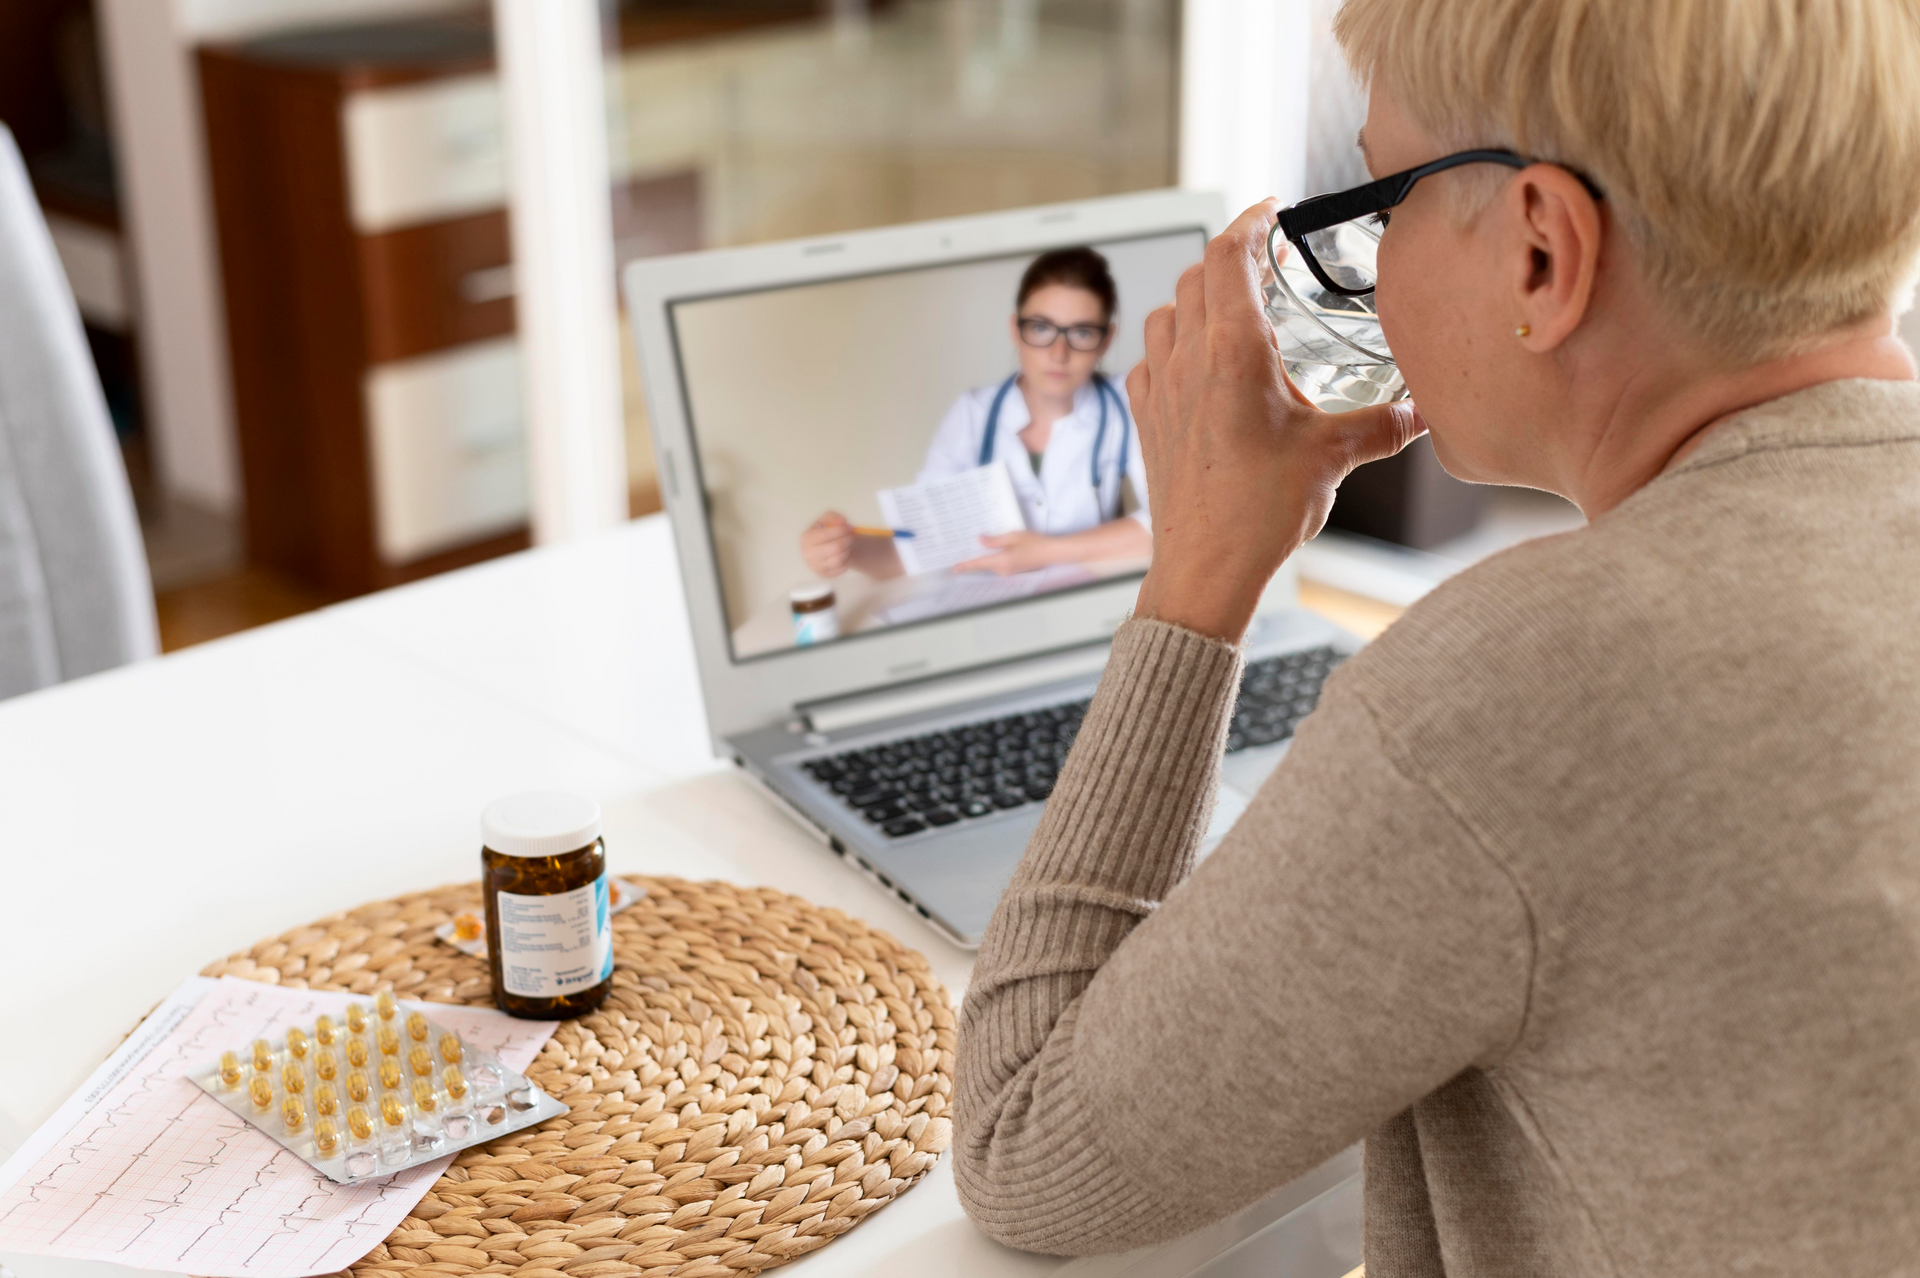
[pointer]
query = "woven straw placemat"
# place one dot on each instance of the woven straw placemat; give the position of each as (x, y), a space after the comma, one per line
(763, 1075)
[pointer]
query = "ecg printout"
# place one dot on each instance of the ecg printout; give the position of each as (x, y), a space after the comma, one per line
(948, 517)
(142, 1168)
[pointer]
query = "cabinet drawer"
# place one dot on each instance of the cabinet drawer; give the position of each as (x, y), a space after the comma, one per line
(437, 150)
(437, 285)
(424, 152)
(447, 439)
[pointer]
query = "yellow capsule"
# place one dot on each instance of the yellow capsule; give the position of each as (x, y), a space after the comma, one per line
(326, 1137)
(450, 1049)
(423, 1095)
(324, 1032)
(294, 1077)
(417, 1027)
(325, 1099)
(262, 1092)
(422, 1062)
(358, 1088)
(358, 1123)
(326, 1064)
(456, 1081)
(229, 1070)
(297, 1043)
(468, 927)
(293, 1113)
(392, 1112)
(388, 1040)
(262, 1055)
(356, 1051)
(356, 1018)
(383, 1005)
(389, 1074)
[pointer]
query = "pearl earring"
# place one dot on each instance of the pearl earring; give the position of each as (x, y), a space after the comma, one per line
(1521, 330)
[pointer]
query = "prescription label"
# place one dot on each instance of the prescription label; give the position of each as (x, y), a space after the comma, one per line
(558, 944)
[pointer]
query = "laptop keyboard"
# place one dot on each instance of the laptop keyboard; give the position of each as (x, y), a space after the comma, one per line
(941, 778)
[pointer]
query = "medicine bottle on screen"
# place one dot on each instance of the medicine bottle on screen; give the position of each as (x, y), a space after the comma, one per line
(544, 877)
(814, 618)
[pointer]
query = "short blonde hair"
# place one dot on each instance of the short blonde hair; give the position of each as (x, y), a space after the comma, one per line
(1762, 156)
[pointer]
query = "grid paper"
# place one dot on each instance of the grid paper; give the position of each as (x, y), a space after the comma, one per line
(142, 1168)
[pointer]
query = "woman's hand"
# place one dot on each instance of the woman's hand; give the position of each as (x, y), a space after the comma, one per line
(1014, 552)
(827, 544)
(1241, 466)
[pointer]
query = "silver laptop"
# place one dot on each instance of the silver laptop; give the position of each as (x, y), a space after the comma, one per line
(913, 721)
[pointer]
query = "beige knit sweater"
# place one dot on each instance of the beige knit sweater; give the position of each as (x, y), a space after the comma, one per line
(1589, 897)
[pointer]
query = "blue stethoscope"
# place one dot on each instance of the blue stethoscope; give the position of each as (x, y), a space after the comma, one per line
(1107, 392)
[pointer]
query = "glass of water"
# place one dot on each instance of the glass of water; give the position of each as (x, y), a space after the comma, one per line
(1331, 345)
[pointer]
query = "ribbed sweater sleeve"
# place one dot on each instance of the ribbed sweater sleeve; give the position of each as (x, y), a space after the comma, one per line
(1142, 1051)
(1122, 827)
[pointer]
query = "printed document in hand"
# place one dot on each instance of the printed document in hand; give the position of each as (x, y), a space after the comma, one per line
(948, 517)
(142, 1168)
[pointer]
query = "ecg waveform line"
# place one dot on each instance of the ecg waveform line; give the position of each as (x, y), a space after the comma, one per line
(159, 1175)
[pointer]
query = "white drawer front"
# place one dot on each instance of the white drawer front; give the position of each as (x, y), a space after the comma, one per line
(422, 152)
(446, 433)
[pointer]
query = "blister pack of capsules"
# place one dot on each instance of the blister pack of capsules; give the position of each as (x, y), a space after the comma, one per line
(374, 1093)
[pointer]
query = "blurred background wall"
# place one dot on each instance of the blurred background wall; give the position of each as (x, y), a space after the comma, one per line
(286, 223)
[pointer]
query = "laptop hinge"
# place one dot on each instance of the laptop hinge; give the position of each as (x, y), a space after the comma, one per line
(833, 714)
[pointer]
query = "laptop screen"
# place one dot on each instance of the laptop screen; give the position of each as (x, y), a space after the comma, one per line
(886, 450)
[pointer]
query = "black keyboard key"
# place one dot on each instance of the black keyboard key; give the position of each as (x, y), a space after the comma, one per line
(975, 808)
(1037, 791)
(1009, 799)
(877, 794)
(923, 802)
(941, 816)
(903, 827)
(883, 812)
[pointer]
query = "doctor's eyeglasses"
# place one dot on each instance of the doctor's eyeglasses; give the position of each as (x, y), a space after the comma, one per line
(1338, 233)
(1035, 331)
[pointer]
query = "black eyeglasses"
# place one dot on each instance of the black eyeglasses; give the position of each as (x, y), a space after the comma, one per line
(1036, 331)
(1337, 233)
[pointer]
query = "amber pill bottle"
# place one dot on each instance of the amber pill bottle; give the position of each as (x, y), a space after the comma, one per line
(544, 877)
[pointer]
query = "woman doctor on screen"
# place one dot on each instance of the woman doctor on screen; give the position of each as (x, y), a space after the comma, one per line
(1061, 428)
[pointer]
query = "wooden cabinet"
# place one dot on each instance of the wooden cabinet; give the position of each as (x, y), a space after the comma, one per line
(359, 183)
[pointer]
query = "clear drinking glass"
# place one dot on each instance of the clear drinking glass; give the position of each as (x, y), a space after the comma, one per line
(1331, 345)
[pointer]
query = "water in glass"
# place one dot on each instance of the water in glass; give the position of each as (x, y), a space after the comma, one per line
(1331, 345)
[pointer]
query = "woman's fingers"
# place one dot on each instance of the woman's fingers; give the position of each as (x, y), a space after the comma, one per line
(1369, 434)
(1190, 302)
(827, 544)
(1159, 336)
(1233, 263)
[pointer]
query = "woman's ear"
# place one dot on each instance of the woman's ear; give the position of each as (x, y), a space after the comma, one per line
(1555, 253)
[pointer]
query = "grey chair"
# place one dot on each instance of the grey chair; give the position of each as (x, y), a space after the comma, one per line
(75, 597)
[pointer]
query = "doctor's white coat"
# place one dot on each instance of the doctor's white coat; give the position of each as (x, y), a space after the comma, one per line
(1062, 498)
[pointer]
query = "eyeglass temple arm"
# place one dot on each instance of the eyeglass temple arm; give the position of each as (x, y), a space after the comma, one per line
(1322, 211)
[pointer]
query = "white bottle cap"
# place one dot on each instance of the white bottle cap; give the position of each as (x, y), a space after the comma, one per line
(540, 823)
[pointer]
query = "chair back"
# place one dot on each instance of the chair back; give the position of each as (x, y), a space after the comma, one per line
(75, 596)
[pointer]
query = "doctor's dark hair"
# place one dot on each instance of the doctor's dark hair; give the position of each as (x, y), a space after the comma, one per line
(1076, 268)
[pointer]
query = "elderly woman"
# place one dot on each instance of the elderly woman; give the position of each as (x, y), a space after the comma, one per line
(1590, 896)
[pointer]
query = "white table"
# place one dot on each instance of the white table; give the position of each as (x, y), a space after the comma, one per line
(160, 816)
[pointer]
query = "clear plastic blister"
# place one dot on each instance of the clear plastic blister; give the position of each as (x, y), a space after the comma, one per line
(374, 1092)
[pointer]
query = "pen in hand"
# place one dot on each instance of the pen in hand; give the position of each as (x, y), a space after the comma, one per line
(906, 533)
